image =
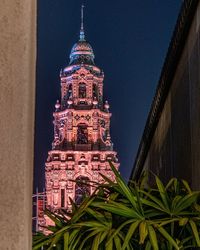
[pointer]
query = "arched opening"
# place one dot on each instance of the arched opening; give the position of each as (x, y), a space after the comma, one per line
(82, 134)
(95, 91)
(82, 90)
(62, 193)
(82, 189)
(69, 92)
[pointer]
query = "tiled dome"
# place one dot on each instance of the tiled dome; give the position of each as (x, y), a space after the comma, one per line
(82, 52)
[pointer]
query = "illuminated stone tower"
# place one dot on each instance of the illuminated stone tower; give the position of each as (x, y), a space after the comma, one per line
(82, 143)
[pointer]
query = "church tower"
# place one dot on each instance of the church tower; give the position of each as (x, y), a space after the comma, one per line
(82, 144)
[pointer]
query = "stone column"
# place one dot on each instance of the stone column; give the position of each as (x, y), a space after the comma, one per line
(17, 101)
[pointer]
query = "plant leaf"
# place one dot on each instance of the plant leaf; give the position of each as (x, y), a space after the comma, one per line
(187, 187)
(124, 187)
(129, 234)
(143, 231)
(195, 232)
(165, 234)
(66, 241)
(162, 192)
(183, 221)
(153, 237)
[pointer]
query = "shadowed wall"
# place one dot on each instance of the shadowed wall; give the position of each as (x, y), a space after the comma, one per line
(171, 147)
(17, 93)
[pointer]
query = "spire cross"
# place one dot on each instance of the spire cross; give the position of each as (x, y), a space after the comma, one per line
(82, 34)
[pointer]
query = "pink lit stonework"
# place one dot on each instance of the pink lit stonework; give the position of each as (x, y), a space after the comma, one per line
(82, 144)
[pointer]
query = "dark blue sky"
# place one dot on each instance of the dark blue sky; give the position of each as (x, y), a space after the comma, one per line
(130, 40)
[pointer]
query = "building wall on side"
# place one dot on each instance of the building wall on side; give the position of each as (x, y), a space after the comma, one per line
(194, 77)
(17, 91)
(175, 147)
(159, 156)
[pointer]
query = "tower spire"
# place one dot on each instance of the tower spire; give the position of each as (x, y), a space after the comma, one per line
(82, 34)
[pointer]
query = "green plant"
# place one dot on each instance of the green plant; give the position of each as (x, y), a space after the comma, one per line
(118, 216)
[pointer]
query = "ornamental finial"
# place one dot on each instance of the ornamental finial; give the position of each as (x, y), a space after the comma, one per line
(82, 34)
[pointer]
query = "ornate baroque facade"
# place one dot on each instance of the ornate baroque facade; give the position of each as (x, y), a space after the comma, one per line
(82, 144)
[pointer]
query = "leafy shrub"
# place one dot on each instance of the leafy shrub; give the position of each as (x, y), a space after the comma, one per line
(118, 216)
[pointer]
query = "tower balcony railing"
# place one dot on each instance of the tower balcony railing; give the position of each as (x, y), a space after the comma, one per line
(83, 147)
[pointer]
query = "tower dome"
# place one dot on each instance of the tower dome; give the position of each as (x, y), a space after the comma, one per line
(82, 52)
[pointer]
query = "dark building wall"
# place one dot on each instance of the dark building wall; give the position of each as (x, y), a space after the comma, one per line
(173, 150)
(194, 80)
(159, 157)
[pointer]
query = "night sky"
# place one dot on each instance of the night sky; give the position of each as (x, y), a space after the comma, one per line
(130, 40)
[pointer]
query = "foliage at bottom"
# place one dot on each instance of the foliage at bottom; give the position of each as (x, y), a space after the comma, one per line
(118, 216)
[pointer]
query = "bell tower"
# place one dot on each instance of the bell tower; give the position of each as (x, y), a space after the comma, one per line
(82, 144)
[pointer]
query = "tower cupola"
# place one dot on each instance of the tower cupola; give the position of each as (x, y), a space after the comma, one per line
(82, 52)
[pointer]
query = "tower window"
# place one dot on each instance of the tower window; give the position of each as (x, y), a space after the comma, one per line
(82, 90)
(82, 134)
(62, 198)
(95, 92)
(82, 189)
(69, 91)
